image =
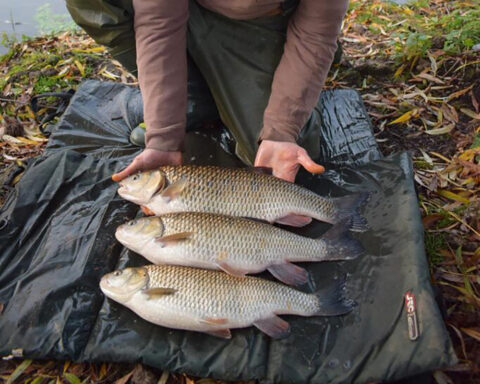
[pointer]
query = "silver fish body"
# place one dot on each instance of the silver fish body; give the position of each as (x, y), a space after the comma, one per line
(214, 302)
(235, 245)
(237, 192)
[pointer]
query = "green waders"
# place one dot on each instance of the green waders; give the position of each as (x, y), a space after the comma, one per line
(237, 58)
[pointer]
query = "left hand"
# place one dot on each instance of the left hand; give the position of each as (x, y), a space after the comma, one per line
(285, 159)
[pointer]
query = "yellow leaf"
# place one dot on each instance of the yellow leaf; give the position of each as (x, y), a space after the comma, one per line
(453, 196)
(66, 365)
(405, 117)
(28, 141)
(103, 370)
(468, 181)
(80, 67)
(30, 112)
(89, 50)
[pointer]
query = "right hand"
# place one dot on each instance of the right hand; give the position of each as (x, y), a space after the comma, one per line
(147, 160)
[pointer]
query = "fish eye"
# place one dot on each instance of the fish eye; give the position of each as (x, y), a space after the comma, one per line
(136, 177)
(132, 223)
(117, 273)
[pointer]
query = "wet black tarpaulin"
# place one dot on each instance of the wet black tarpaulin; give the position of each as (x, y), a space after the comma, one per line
(57, 240)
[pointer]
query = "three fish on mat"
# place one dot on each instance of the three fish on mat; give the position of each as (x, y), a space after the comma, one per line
(202, 223)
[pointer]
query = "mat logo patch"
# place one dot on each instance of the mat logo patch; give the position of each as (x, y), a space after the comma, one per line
(412, 322)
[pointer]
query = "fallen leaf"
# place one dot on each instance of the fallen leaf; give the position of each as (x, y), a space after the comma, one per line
(19, 370)
(405, 117)
(442, 378)
(431, 78)
(71, 378)
(163, 379)
(430, 220)
(470, 113)
(474, 333)
(80, 67)
(454, 95)
(124, 379)
(440, 131)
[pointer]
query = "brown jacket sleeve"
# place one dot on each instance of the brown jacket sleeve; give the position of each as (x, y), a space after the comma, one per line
(309, 50)
(160, 35)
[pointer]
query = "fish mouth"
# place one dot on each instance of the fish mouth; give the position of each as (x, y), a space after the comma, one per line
(104, 286)
(121, 189)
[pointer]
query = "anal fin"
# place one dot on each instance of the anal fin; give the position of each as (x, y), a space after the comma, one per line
(273, 326)
(294, 220)
(222, 333)
(289, 273)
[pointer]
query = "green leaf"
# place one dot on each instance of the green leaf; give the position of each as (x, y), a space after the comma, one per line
(38, 380)
(19, 370)
(71, 378)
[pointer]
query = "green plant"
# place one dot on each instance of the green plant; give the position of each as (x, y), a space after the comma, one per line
(52, 23)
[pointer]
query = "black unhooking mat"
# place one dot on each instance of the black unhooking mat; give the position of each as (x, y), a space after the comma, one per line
(57, 240)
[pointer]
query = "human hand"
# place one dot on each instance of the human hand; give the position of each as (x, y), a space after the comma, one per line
(149, 159)
(285, 159)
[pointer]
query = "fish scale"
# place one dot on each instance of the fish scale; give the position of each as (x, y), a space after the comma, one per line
(233, 244)
(224, 295)
(241, 237)
(240, 192)
(213, 302)
(237, 192)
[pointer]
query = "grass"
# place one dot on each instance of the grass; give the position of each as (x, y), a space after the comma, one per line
(420, 80)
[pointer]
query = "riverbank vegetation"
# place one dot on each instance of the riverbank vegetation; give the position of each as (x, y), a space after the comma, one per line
(417, 67)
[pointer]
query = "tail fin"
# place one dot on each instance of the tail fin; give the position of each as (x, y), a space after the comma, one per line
(340, 245)
(332, 300)
(349, 206)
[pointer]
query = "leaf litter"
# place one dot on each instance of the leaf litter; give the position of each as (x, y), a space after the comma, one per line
(422, 91)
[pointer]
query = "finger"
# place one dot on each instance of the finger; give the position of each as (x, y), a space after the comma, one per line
(288, 176)
(130, 170)
(309, 164)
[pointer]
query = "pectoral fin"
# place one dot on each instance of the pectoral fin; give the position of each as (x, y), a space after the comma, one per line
(223, 333)
(158, 292)
(273, 326)
(214, 320)
(174, 189)
(147, 211)
(173, 238)
(225, 267)
(288, 273)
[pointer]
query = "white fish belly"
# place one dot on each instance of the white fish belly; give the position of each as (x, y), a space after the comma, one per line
(160, 312)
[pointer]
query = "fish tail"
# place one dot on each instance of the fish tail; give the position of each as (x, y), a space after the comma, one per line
(331, 300)
(349, 206)
(339, 243)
